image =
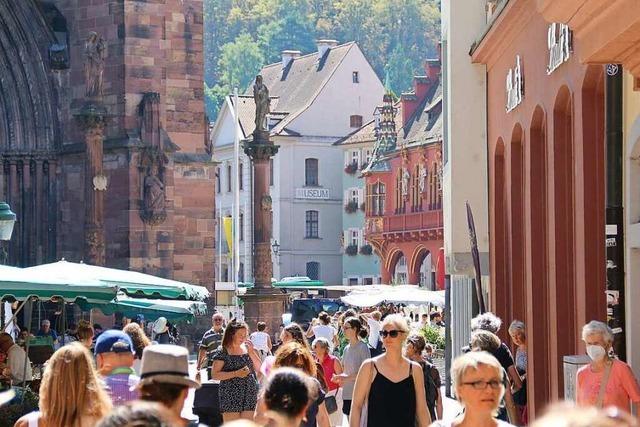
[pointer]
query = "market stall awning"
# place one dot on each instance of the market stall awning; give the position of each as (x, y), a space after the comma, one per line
(20, 284)
(401, 294)
(299, 284)
(153, 308)
(131, 282)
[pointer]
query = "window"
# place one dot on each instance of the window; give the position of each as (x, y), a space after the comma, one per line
(229, 177)
(270, 171)
(225, 273)
(355, 157)
(377, 199)
(311, 172)
(311, 225)
(353, 281)
(218, 180)
(241, 272)
(313, 270)
(355, 121)
(355, 77)
(367, 281)
(240, 177)
(241, 227)
(354, 236)
(353, 196)
(367, 157)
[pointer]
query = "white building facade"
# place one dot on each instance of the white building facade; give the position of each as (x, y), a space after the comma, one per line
(316, 100)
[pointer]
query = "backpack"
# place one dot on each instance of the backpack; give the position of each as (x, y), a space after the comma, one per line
(431, 391)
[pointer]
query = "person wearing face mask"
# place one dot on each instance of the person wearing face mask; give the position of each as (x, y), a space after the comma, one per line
(606, 381)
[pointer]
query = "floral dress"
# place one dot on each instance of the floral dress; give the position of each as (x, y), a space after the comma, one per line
(237, 394)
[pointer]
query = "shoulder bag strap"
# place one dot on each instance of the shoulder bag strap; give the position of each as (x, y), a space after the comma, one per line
(603, 384)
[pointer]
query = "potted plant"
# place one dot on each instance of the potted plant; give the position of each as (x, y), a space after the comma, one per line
(366, 249)
(351, 168)
(351, 250)
(434, 335)
(351, 207)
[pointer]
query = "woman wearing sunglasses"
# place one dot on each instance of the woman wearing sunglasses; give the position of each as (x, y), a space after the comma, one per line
(478, 379)
(389, 390)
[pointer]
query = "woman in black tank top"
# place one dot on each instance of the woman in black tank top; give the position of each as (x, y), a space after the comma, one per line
(389, 390)
(392, 403)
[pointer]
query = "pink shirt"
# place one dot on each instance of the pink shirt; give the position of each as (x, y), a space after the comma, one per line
(622, 386)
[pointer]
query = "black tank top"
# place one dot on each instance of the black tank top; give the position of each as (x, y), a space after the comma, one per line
(391, 404)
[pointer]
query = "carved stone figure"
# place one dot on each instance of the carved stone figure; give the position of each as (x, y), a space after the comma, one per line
(154, 201)
(95, 52)
(261, 98)
(422, 182)
(405, 181)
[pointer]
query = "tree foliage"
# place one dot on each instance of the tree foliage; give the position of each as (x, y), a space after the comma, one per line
(396, 36)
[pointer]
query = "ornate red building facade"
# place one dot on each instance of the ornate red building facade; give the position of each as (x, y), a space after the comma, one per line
(404, 221)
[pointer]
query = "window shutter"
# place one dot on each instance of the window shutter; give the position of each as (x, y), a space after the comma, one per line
(345, 238)
(347, 160)
(360, 238)
(346, 196)
(360, 196)
(359, 158)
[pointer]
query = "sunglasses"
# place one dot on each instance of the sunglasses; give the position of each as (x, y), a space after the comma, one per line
(392, 333)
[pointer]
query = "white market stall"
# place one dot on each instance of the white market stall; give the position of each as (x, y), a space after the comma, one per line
(372, 295)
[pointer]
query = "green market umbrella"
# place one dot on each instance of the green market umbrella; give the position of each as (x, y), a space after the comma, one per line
(20, 284)
(131, 282)
(153, 308)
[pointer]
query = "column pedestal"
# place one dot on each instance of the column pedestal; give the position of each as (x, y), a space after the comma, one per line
(92, 119)
(263, 302)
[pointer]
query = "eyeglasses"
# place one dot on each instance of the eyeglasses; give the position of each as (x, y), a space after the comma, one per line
(346, 327)
(392, 333)
(482, 385)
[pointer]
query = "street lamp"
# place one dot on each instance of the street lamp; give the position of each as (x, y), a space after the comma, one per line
(7, 221)
(276, 248)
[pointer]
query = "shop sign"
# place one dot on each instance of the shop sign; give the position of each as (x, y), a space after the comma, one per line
(559, 41)
(312, 193)
(514, 86)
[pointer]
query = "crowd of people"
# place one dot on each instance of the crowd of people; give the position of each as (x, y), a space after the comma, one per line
(371, 368)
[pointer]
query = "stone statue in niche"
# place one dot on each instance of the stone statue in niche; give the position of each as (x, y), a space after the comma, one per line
(405, 182)
(153, 208)
(261, 98)
(422, 182)
(95, 52)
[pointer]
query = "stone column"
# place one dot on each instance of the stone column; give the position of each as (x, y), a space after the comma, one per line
(92, 119)
(263, 302)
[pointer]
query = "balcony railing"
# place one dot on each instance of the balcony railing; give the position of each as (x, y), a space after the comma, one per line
(405, 222)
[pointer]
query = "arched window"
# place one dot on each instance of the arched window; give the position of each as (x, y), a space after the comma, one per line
(241, 226)
(311, 225)
(311, 172)
(313, 270)
(229, 177)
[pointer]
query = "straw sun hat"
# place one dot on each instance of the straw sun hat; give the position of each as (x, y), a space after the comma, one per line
(167, 364)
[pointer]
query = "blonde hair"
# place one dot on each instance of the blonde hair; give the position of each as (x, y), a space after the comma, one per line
(473, 360)
(397, 321)
(138, 337)
(71, 389)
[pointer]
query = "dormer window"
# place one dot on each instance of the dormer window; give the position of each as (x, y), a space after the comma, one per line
(355, 121)
(355, 77)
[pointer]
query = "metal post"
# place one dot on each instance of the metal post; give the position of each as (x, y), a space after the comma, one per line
(447, 334)
(614, 208)
(236, 199)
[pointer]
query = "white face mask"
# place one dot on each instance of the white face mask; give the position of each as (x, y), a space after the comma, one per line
(596, 352)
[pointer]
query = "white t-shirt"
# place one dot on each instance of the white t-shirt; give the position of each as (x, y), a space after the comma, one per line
(16, 358)
(441, 423)
(324, 331)
(260, 340)
(374, 332)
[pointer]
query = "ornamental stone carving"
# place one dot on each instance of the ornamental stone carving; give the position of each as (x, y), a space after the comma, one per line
(95, 53)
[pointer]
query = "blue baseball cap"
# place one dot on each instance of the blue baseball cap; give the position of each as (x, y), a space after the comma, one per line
(113, 341)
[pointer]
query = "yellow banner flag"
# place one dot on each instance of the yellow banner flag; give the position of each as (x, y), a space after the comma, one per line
(227, 223)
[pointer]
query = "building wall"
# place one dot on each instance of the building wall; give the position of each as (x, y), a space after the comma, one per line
(631, 131)
(359, 266)
(329, 113)
(546, 195)
(289, 227)
(465, 169)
